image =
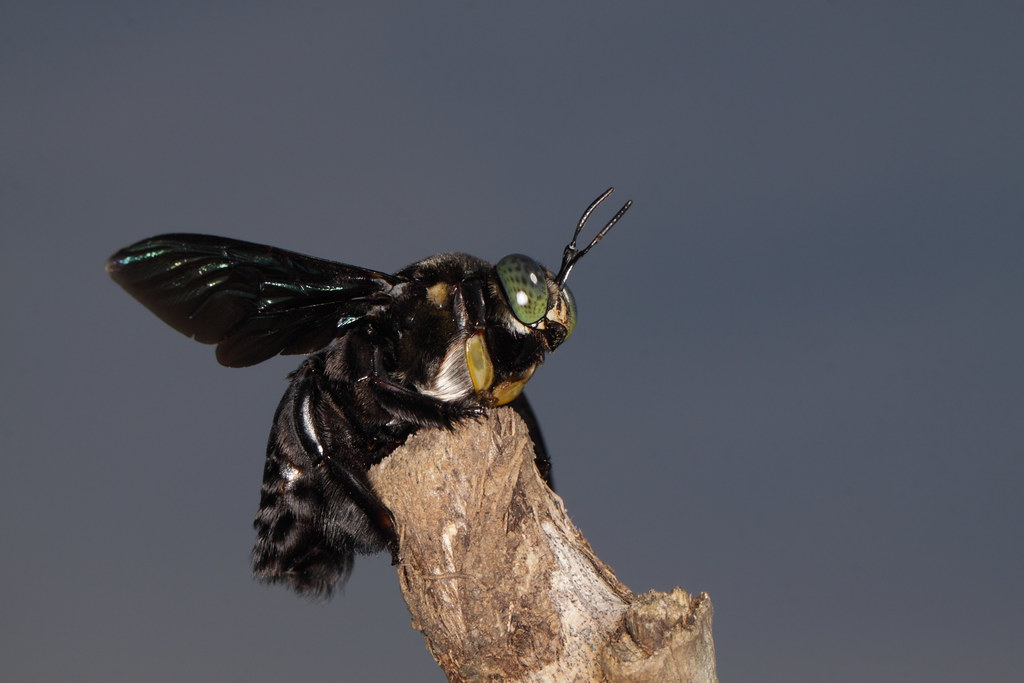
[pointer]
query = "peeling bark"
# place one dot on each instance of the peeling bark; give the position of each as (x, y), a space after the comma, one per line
(504, 587)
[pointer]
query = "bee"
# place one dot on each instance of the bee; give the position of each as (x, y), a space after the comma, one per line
(432, 345)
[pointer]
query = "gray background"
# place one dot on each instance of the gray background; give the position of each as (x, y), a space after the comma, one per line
(796, 382)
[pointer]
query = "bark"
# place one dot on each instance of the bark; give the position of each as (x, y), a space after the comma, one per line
(504, 587)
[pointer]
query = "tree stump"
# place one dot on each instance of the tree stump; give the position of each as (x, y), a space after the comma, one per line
(505, 588)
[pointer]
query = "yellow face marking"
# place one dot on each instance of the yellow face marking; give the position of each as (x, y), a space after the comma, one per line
(478, 361)
(506, 392)
(509, 389)
(481, 371)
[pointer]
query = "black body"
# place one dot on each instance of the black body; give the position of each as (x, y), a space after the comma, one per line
(429, 346)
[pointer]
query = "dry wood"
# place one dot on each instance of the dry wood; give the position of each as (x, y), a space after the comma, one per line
(504, 587)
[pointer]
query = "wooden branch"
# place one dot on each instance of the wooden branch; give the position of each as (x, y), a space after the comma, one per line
(504, 587)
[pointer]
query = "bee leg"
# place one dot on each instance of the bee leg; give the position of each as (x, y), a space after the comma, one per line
(317, 508)
(379, 517)
(541, 457)
(416, 408)
(308, 527)
(409, 405)
(354, 481)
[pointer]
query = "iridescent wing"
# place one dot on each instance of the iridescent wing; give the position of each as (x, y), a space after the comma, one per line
(251, 300)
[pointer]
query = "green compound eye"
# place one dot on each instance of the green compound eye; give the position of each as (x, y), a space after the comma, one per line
(570, 305)
(525, 286)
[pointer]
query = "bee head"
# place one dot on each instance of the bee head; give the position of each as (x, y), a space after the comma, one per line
(541, 300)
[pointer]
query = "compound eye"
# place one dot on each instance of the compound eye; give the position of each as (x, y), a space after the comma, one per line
(570, 311)
(525, 286)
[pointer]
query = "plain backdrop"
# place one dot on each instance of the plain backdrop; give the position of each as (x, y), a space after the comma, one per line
(796, 382)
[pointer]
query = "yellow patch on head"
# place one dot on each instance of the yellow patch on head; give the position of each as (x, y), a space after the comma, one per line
(478, 361)
(508, 390)
(439, 294)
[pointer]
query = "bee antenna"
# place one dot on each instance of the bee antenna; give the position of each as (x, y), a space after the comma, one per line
(571, 254)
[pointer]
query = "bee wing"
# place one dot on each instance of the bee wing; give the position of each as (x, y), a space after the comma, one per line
(251, 300)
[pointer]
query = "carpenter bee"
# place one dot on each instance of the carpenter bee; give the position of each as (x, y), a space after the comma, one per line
(436, 343)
